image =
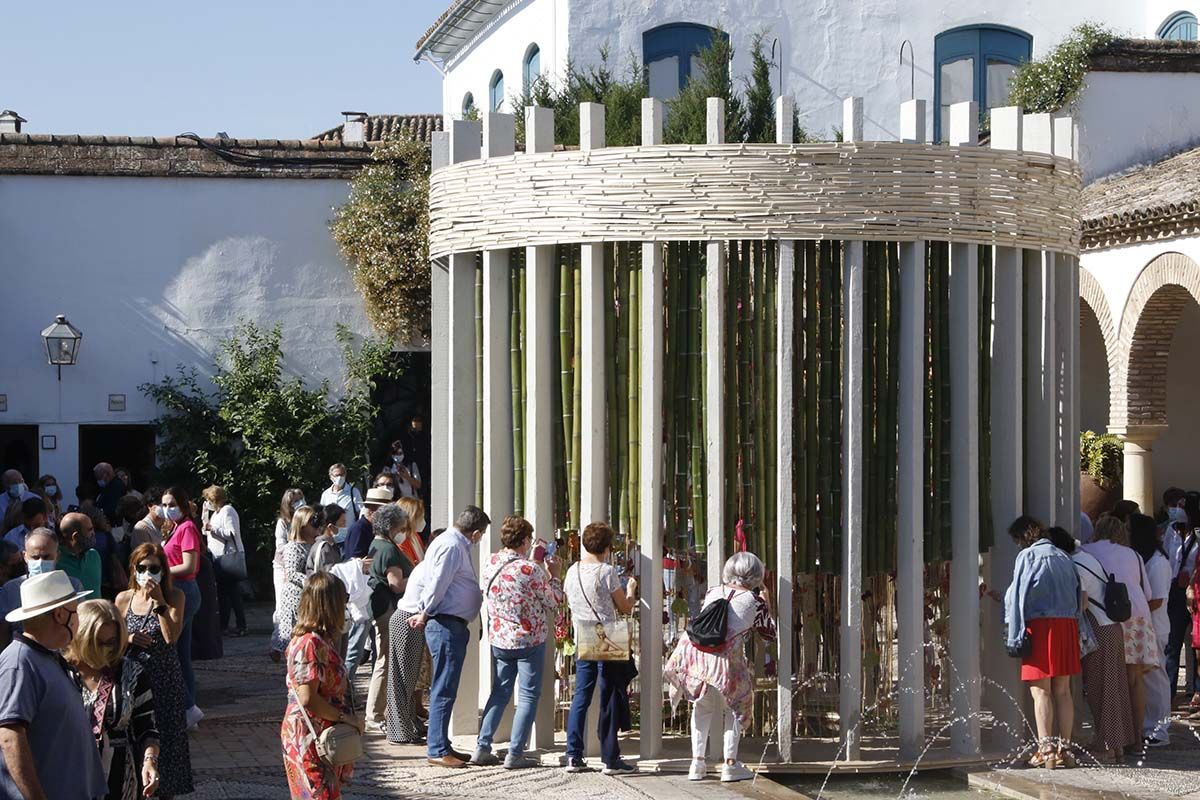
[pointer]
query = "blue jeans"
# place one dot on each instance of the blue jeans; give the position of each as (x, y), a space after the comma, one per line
(191, 607)
(356, 645)
(521, 667)
(447, 640)
(613, 677)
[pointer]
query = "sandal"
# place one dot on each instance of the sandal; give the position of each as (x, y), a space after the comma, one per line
(1047, 759)
(1066, 758)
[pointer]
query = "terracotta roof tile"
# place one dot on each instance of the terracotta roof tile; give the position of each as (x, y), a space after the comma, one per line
(420, 127)
(1147, 55)
(1157, 201)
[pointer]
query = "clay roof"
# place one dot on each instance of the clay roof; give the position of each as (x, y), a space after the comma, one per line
(420, 127)
(1158, 201)
(1147, 55)
(178, 157)
(456, 26)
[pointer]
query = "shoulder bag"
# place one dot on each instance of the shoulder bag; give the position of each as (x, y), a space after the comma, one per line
(600, 642)
(1116, 597)
(337, 745)
(233, 561)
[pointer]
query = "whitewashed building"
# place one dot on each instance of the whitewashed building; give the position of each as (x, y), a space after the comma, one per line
(1141, 105)
(156, 249)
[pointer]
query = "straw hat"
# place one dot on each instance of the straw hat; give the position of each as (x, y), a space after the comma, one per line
(42, 594)
(378, 496)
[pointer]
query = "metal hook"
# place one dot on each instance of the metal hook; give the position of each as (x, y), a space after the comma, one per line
(912, 74)
(778, 65)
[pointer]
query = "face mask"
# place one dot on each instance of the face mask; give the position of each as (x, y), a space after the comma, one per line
(70, 630)
(341, 535)
(399, 459)
(16, 490)
(102, 483)
(174, 513)
(299, 504)
(40, 566)
(51, 490)
(339, 482)
(145, 577)
(209, 506)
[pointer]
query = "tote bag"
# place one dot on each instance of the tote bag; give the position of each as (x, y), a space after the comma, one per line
(596, 641)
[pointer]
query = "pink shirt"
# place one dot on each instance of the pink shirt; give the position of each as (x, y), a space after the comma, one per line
(185, 538)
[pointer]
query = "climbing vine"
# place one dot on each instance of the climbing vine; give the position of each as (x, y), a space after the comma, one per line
(1053, 81)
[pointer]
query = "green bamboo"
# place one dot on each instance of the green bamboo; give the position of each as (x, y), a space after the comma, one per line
(745, 349)
(893, 384)
(730, 397)
(611, 356)
(812, 442)
(566, 348)
(575, 475)
(986, 531)
(825, 408)
(869, 417)
(514, 367)
(760, 402)
(673, 369)
(519, 386)
(930, 403)
(699, 400)
(633, 474)
(836, 410)
(478, 382)
(775, 559)
(946, 442)
(624, 395)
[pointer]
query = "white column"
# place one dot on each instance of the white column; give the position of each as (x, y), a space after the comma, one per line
(1007, 447)
(498, 501)
(1138, 467)
(465, 141)
(964, 479)
(540, 381)
(850, 691)
(650, 512)
(910, 540)
(439, 379)
(1041, 395)
(785, 512)
(593, 490)
(1068, 343)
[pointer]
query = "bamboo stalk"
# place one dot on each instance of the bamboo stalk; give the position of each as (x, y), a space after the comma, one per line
(835, 390)
(746, 386)
(519, 387)
(825, 409)
(986, 529)
(775, 559)
(731, 396)
(870, 410)
(633, 474)
(621, 267)
(611, 359)
(893, 385)
(944, 419)
(574, 476)
(812, 389)
(478, 380)
(699, 400)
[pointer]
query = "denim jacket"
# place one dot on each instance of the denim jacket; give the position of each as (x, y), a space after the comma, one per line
(1044, 585)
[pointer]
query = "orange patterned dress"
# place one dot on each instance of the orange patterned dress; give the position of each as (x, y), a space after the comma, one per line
(309, 658)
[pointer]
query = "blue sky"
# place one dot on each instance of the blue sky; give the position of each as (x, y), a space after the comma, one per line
(252, 68)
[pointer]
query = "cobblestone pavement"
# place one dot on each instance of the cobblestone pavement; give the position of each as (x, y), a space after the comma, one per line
(236, 754)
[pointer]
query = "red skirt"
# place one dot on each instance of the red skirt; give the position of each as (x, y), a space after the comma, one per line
(1055, 649)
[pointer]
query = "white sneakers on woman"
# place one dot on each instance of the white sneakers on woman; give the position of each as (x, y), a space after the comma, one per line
(699, 769)
(737, 771)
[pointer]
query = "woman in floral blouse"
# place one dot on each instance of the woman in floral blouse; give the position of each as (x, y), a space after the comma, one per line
(521, 595)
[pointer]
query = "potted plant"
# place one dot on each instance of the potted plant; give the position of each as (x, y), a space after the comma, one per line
(1101, 457)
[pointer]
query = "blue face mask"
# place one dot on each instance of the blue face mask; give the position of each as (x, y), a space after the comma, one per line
(299, 504)
(51, 490)
(40, 566)
(341, 535)
(174, 513)
(102, 483)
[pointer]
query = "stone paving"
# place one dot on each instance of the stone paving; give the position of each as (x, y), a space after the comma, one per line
(236, 754)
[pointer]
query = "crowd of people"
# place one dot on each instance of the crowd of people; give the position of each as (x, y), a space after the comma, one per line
(1114, 604)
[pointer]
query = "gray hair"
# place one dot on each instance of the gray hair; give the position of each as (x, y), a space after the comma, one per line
(472, 519)
(388, 519)
(744, 569)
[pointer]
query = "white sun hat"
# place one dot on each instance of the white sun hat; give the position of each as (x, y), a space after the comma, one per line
(42, 594)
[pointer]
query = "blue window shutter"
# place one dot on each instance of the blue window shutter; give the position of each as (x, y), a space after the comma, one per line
(496, 91)
(681, 40)
(1180, 27)
(983, 43)
(531, 67)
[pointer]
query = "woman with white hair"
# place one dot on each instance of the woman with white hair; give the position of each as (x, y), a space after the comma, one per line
(716, 678)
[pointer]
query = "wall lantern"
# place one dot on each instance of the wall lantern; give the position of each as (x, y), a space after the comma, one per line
(62, 343)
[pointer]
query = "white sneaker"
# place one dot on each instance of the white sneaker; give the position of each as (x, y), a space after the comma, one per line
(737, 771)
(699, 769)
(192, 717)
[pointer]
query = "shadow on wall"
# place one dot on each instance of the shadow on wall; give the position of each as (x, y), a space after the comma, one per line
(241, 279)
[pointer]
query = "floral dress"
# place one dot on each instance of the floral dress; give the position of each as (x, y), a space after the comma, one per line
(691, 670)
(122, 712)
(161, 663)
(310, 658)
(295, 566)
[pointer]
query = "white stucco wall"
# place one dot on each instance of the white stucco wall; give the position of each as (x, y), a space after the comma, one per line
(502, 46)
(829, 50)
(1135, 118)
(155, 271)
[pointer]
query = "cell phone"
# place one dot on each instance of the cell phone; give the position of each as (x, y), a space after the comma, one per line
(551, 548)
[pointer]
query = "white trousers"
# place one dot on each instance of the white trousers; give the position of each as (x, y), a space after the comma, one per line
(712, 706)
(1158, 699)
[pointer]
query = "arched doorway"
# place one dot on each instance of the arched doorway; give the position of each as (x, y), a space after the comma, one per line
(1093, 372)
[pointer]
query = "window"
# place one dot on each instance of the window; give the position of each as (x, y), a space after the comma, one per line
(468, 106)
(669, 54)
(496, 91)
(975, 63)
(531, 68)
(1181, 26)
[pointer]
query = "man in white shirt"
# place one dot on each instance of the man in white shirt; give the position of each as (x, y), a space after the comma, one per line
(15, 490)
(342, 493)
(1181, 547)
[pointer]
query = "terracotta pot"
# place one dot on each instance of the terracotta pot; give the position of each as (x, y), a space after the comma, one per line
(1094, 499)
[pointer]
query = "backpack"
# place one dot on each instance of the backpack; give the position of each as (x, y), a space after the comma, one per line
(1116, 598)
(710, 626)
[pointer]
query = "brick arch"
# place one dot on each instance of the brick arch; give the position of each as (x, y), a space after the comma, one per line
(1157, 300)
(1092, 300)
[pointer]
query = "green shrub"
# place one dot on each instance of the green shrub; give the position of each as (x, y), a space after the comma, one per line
(1055, 80)
(1102, 456)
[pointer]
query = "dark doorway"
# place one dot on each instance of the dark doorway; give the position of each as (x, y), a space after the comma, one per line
(19, 450)
(400, 400)
(128, 446)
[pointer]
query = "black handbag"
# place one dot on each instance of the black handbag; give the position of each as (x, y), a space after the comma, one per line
(710, 627)
(1022, 650)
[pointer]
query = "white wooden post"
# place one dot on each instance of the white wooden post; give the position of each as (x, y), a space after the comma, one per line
(1007, 446)
(715, 388)
(964, 479)
(439, 378)
(498, 501)
(785, 512)
(540, 381)
(910, 544)
(1067, 341)
(852, 119)
(651, 432)
(1042, 442)
(593, 479)
(465, 141)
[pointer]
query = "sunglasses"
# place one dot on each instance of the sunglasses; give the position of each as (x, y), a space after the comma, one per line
(153, 569)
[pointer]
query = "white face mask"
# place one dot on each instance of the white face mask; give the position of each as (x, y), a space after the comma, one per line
(17, 489)
(339, 481)
(39, 566)
(145, 577)
(51, 490)
(299, 504)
